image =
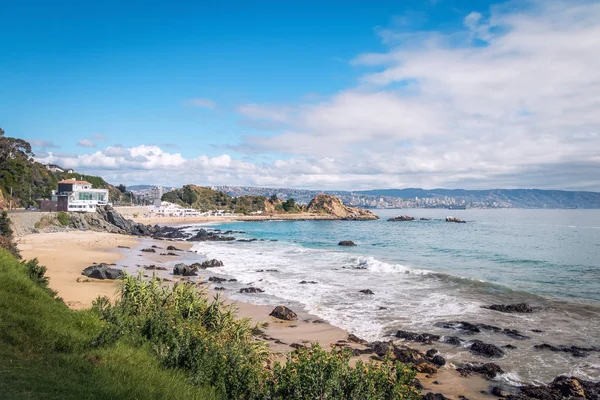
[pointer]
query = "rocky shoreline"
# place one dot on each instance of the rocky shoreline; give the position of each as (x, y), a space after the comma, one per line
(426, 362)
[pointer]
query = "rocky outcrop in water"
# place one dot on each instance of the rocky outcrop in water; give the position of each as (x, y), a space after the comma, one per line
(401, 218)
(208, 236)
(574, 350)
(282, 312)
(485, 349)
(454, 219)
(510, 308)
(102, 271)
(251, 290)
(346, 243)
(333, 206)
(562, 387)
(417, 337)
(366, 291)
(468, 328)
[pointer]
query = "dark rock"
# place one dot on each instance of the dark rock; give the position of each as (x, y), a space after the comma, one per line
(251, 290)
(211, 264)
(568, 387)
(318, 321)
(417, 337)
(102, 271)
(346, 243)
(434, 396)
(205, 236)
(424, 219)
(489, 370)
(155, 246)
(438, 360)
(417, 384)
(232, 280)
(431, 352)
(537, 331)
(185, 270)
(366, 291)
(381, 348)
(219, 288)
(454, 219)
(123, 247)
(509, 346)
(150, 250)
(282, 312)
(574, 350)
(154, 267)
(497, 391)
(408, 355)
(307, 282)
(453, 340)
(470, 328)
(355, 339)
(511, 308)
(216, 279)
(425, 368)
(297, 346)
(485, 349)
(173, 248)
(536, 392)
(400, 218)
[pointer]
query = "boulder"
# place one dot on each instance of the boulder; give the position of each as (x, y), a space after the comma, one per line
(308, 282)
(485, 349)
(208, 236)
(453, 340)
(511, 308)
(335, 208)
(489, 370)
(408, 355)
(216, 279)
(154, 267)
(568, 387)
(355, 339)
(434, 396)
(417, 337)
(366, 291)
(185, 270)
(438, 360)
(251, 290)
(575, 351)
(454, 219)
(149, 250)
(346, 243)
(211, 264)
(102, 271)
(282, 312)
(173, 248)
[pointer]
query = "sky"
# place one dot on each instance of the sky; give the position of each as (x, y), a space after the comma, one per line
(312, 94)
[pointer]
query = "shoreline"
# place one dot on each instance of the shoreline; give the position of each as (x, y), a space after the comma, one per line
(66, 254)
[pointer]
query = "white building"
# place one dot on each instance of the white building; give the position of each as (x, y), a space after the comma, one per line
(166, 209)
(156, 192)
(79, 196)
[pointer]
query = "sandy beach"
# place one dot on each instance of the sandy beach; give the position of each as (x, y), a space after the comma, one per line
(66, 254)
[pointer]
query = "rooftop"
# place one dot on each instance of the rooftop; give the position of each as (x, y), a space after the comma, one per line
(73, 181)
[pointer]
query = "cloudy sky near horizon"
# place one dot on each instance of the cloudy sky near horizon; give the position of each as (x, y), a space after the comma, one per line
(351, 95)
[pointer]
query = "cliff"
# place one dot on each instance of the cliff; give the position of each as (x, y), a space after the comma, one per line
(326, 204)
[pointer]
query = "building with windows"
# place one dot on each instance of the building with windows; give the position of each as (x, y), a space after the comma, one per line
(79, 196)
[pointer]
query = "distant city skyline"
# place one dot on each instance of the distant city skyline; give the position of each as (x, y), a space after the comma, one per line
(312, 95)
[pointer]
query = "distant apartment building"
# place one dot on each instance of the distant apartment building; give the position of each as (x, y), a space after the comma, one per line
(156, 192)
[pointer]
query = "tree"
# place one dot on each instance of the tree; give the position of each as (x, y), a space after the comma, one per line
(273, 199)
(6, 235)
(122, 188)
(289, 205)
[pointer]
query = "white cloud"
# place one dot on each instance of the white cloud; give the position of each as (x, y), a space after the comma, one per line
(43, 144)
(510, 100)
(203, 102)
(86, 143)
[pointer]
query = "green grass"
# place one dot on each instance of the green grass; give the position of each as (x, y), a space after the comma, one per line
(45, 351)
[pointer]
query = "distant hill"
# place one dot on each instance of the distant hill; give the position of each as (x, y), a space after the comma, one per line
(519, 198)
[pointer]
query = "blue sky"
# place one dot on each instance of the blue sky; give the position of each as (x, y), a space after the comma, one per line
(338, 95)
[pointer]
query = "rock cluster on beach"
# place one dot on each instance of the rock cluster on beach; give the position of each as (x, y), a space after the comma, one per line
(102, 271)
(282, 312)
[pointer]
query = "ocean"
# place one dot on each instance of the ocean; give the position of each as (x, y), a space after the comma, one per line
(423, 273)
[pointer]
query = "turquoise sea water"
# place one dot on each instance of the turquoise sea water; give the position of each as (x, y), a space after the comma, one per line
(423, 272)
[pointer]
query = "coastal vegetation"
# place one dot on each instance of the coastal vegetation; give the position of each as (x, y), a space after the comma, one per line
(207, 199)
(158, 341)
(23, 180)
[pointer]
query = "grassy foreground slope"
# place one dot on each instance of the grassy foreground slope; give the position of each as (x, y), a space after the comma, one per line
(45, 352)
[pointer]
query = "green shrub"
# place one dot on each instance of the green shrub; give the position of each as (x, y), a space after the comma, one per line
(204, 338)
(63, 218)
